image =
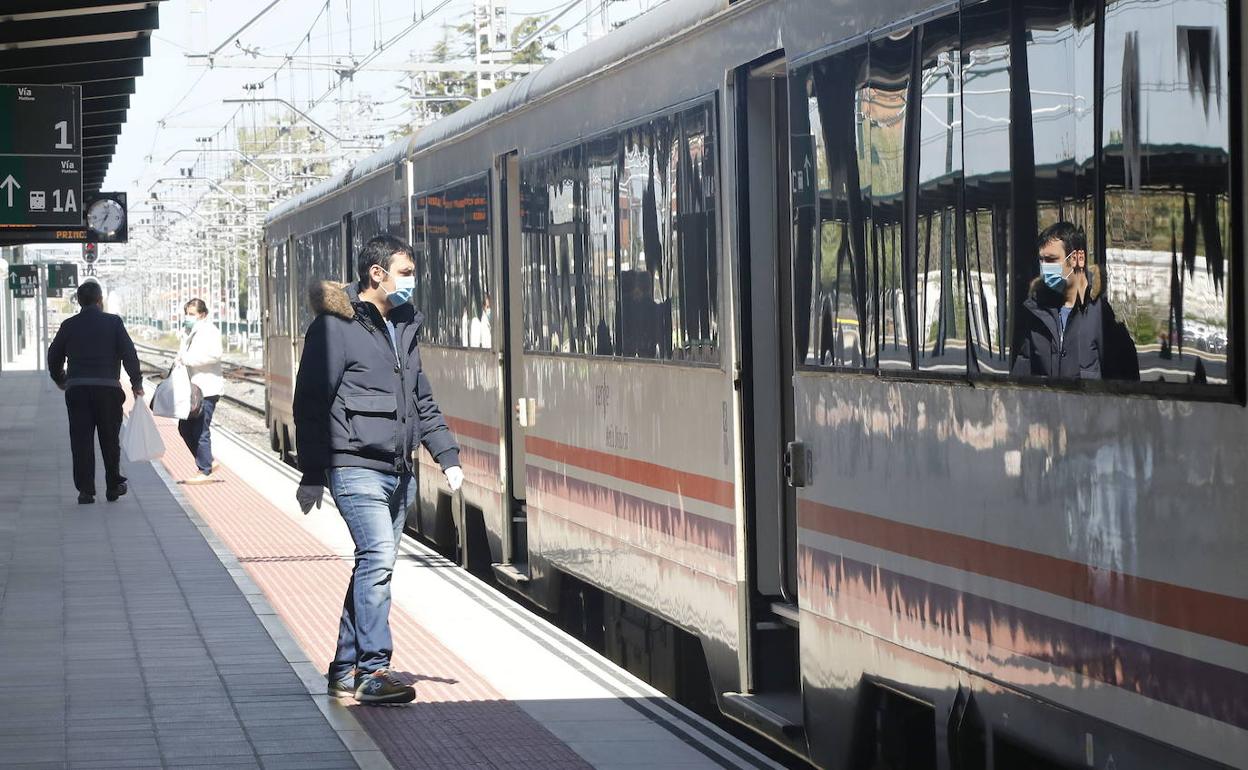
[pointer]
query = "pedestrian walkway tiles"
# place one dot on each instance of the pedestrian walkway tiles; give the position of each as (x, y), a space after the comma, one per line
(495, 687)
(127, 643)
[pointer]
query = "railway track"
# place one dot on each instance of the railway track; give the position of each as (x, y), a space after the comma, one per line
(156, 361)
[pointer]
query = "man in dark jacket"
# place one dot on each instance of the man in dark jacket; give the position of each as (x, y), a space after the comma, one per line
(362, 408)
(1067, 328)
(97, 345)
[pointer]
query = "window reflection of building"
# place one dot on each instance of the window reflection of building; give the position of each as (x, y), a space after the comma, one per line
(454, 266)
(887, 278)
(1167, 182)
(620, 243)
(279, 283)
(317, 258)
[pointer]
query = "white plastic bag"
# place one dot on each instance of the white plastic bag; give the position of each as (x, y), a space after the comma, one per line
(140, 439)
(181, 380)
(164, 402)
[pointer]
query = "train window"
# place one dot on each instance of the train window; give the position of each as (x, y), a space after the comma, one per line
(1055, 194)
(620, 244)
(318, 257)
(603, 161)
(645, 228)
(840, 318)
(1053, 249)
(668, 253)
(279, 288)
(695, 285)
(887, 105)
(1165, 160)
(554, 253)
(566, 256)
(885, 115)
(987, 187)
(455, 269)
(939, 289)
(383, 220)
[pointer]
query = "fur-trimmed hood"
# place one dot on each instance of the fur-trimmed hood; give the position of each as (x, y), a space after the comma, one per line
(332, 298)
(1096, 287)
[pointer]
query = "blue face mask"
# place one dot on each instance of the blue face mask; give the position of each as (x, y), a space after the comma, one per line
(189, 323)
(1053, 276)
(404, 285)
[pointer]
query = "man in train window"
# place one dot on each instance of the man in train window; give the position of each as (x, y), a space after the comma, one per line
(1067, 328)
(362, 406)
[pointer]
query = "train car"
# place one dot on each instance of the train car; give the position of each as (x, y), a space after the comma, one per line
(313, 237)
(735, 312)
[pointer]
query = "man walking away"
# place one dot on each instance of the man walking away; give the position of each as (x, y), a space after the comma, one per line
(97, 345)
(362, 406)
(201, 354)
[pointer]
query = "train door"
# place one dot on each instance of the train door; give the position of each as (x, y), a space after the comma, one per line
(771, 698)
(517, 410)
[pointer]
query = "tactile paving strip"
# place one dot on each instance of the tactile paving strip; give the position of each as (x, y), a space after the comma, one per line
(458, 719)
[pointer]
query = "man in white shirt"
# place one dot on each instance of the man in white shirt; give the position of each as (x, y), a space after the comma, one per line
(201, 355)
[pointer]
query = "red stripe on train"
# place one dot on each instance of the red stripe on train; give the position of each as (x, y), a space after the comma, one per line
(1189, 609)
(662, 478)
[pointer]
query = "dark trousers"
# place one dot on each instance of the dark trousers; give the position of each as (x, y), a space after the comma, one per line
(92, 409)
(197, 433)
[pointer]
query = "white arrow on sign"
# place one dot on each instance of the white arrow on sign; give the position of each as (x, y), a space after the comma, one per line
(10, 184)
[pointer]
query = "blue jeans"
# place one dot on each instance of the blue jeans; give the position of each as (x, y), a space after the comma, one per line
(374, 505)
(197, 433)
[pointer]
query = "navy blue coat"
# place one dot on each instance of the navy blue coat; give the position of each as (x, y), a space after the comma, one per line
(97, 345)
(359, 402)
(1093, 346)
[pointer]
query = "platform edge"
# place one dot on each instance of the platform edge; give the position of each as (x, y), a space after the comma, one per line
(364, 750)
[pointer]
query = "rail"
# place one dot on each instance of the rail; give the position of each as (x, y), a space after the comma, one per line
(158, 361)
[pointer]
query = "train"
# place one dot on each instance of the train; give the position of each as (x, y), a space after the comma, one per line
(724, 311)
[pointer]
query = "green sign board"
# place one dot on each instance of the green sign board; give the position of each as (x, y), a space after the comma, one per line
(61, 276)
(23, 281)
(41, 155)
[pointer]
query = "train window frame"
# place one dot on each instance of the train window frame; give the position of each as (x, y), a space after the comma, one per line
(278, 323)
(710, 102)
(421, 251)
(1235, 388)
(358, 242)
(302, 301)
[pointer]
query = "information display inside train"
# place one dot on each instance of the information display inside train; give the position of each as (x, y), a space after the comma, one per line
(40, 155)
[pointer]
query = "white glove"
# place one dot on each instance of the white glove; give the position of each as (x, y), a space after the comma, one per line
(454, 477)
(309, 496)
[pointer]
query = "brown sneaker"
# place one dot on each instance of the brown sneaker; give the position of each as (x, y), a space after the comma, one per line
(382, 687)
(215, 466)
(199, 478)
(341, 688)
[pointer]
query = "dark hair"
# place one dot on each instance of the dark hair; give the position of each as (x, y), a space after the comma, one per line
(198, 304)
(379, 251)
(89, 293)
(1073, 238)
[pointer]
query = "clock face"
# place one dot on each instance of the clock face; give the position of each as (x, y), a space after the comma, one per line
(105, 216)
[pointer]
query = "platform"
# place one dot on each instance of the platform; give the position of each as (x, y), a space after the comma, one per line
(135, 606)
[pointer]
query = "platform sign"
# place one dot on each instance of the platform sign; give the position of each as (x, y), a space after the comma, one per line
(40, 155)
(61, 276)
(24, 281)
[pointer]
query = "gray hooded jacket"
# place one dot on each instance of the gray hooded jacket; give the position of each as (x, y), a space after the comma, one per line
(359, 402)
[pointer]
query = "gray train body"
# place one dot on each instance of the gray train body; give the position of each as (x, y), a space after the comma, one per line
(885, 550)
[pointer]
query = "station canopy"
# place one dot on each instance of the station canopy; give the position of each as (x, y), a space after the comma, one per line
(98, 44)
